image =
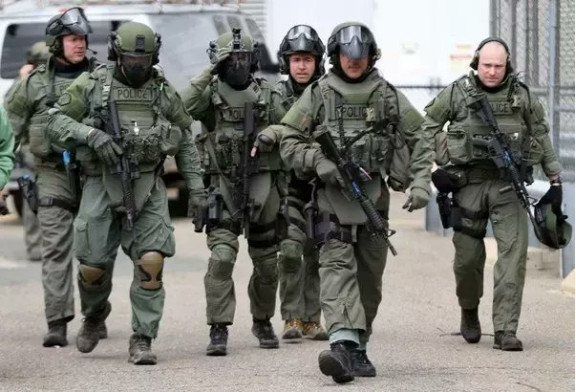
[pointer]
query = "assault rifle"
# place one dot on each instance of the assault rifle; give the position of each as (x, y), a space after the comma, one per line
(351, 174)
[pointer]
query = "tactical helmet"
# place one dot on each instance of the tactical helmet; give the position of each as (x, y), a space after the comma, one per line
(136, 47)
(354, 40)
(554, 231)
(240, 43)
(301, 39)
(72, 21)
(37, 54)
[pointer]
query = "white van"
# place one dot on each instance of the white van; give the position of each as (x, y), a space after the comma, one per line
(186, 29)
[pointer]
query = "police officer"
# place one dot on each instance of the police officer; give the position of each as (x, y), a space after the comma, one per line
(6, 157)
(124, 200)
(478, 184)
(301, 57)
(36, 55)
(219, 103)
(369, 120)
(67, 39)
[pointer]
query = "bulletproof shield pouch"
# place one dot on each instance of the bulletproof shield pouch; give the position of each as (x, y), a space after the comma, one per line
(441, 148)
(170, 138)
(40, 145)
(260, 186)
(337, 201)
(141, 186)
(29, 192)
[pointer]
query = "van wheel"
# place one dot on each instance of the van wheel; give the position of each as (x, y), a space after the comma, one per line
(179, 207)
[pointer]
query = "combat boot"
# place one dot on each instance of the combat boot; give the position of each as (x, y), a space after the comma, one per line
(507, 341)
(361, 365)
(56, 335)
(292, 330)
(263, 330)
(218, 340)
(337, 361)
(314, 330)
(470, 325)
(103, 331)
(140, 350)
(89, 333)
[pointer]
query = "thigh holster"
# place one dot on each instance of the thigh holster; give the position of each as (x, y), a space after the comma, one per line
(328, 227)
(458, 213)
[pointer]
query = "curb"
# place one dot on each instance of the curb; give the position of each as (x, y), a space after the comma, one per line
(568, 283)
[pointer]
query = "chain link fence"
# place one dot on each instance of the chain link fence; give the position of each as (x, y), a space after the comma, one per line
(540, 34)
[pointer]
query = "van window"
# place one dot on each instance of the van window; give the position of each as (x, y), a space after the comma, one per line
(266, 62)
(234, 22)
(19, 37)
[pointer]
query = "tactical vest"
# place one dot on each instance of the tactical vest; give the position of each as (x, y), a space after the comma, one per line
(147, 135)
(227, 138)
(53, 87)
(351, 108)
(507, 106)
(285, 89)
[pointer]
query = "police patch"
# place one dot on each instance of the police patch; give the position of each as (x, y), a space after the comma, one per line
(65, 99)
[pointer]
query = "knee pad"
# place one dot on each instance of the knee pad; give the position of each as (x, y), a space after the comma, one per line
(290, 255)
(149, 270)
(222, 262)
(267, 271)
(91, 277)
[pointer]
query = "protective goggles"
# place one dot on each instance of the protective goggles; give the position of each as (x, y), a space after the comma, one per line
(73, 21)
(296, 31)
(133, 60)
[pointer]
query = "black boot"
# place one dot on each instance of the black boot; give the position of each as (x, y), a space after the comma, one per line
(56, 335)
(89, 333)
(507, 341)
(103, 331)
(218, 340)
(263, 330)
(470, 325)
(337, 362)
(140, 350)
(361, 365)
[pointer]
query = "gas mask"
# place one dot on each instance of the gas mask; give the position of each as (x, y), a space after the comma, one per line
(236, 70)
(137, 68)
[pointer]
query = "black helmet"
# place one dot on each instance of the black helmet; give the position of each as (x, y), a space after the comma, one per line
(354, 40)
(301, 38)
(72, 21)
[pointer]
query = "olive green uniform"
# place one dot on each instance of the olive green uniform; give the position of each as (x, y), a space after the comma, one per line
(298, 276)
(28, 108)
(6, 148)
(221, 110)
(352, 261)
(32, 233)
(479, 197)
(154, 124)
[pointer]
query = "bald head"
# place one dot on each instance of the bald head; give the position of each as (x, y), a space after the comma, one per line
(492, 64)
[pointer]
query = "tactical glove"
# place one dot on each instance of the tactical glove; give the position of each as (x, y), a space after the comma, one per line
(221, 55)
(328, 172)
(418, 198)
(197, 203)
(104, 147)
(267, 138)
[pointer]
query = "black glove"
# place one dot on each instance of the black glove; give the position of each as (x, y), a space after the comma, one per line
(197, 202)
(444, 181)
(104, 147)
(554, 198)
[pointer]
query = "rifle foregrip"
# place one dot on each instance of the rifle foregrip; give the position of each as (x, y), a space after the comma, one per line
(374, 218)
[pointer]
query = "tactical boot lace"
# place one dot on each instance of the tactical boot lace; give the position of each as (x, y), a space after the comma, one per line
(292, 329)
(315, 331)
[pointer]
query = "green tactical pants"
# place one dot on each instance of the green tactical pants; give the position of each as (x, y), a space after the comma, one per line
(99, 232)
(483, 201)
(262, 248)
(32, 233)
(56, 225)
(298, 276)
